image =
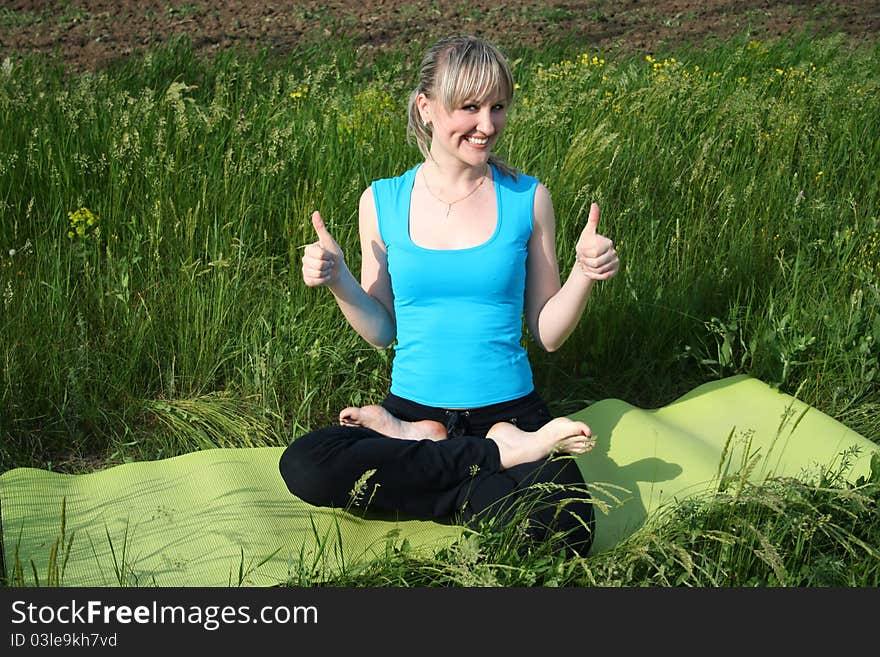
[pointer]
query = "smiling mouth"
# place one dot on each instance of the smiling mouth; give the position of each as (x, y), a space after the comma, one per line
(477, 141)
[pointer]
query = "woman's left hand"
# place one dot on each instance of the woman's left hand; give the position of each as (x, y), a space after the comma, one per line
(595, 253)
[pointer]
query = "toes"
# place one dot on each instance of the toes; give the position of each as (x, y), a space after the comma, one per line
(584, 430)
(348, 416)
(567, 427)
(579, 444)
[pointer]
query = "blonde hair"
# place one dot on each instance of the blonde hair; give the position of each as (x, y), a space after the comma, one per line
(456, 69)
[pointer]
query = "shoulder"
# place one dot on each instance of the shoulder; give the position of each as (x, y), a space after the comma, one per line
(393, 184)
(366, 202)
(515, 181)
(369, 226)
(542, 208)
(368, 216)
(540, 188)
(542, 197)
(524, 189)
(386, 200)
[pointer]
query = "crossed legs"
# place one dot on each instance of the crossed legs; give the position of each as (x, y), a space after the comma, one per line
(515, 446)
(418, 472)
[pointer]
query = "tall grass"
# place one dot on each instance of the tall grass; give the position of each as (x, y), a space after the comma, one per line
(738, 183)
(782, 532)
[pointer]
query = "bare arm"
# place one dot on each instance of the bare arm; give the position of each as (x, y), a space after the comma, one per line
(553, 309)
(369, 305)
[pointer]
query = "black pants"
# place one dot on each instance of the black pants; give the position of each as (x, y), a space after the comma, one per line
(454, 480)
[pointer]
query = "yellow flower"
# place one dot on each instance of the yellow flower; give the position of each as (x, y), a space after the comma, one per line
(83, 223)
(299, 93)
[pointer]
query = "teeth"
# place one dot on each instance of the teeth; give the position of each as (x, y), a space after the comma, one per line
(475, 140)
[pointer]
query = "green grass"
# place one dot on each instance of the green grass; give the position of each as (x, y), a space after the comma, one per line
(780, 533)
(738, 183)
(18, 18)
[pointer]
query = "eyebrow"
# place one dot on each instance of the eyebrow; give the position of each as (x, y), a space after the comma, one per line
(493, 100)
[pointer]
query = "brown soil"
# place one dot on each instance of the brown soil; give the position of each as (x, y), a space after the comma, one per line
(88, 34)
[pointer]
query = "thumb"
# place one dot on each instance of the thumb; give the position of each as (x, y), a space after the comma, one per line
(324, 237)
(593, 220)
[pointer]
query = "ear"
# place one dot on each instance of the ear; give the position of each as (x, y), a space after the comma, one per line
(424, 106)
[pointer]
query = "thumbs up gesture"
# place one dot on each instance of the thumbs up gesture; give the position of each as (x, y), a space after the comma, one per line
(323, 260)
(595, 253)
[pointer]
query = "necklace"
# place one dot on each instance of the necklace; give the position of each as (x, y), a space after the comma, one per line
(447, 203)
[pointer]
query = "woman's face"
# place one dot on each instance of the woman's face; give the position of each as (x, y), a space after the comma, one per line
(468, 132)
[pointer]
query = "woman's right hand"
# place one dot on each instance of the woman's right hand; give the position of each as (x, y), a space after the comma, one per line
(323, 260)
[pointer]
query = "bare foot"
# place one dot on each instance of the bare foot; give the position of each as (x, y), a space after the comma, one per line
(378, 419)
(558, 435)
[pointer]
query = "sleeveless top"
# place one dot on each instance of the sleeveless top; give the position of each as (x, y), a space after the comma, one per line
(459, 311)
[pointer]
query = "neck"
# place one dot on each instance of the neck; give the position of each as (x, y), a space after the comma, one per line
(450, 193)
(455, 175)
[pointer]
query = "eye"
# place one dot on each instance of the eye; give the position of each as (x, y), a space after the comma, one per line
(498, 107)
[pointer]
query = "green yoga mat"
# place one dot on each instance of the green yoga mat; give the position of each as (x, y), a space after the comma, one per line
(720, 429)
(224, 516)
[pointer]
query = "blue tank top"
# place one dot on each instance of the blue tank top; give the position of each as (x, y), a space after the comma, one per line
(459, 311)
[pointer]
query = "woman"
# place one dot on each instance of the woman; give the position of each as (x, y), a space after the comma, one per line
(454, 252)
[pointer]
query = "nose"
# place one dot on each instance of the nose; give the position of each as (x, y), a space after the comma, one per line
(486, 122)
